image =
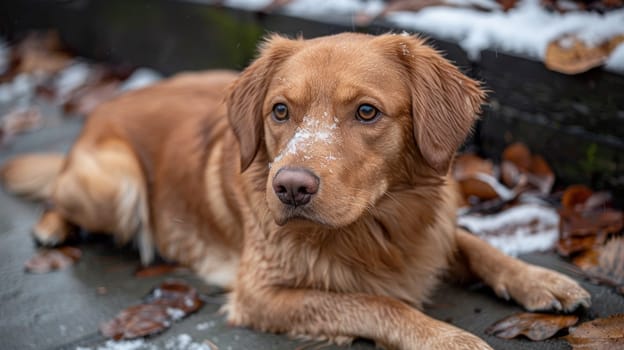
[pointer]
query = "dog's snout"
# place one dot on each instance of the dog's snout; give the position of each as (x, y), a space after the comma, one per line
(295, 186)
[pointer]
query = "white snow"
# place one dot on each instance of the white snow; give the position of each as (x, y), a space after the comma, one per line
(185, 342)
(524, 30)
(311, 132)
(179, 342)
(518, 230)
(615, 62)
(205, 325)
(21, 90)
(175, 314)
(141, 77)
(71, 78)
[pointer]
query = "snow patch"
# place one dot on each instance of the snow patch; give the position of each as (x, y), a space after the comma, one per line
(311, 131)
(140, 78)
(524, 30)
(71, 78)
(615, 62)
(205, 325)
(179, 342)
(519, 230)
(175, 314)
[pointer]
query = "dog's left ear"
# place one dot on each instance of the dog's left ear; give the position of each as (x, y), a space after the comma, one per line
(247, 94)
(445, 102)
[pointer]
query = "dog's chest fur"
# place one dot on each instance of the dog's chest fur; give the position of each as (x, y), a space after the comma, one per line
(398, 250)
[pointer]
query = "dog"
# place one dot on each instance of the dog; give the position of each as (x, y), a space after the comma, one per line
(314, 185)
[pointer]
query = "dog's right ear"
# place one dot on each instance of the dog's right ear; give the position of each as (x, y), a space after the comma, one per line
(248, 92)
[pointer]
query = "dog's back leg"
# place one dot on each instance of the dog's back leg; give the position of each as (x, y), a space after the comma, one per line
(102, 189)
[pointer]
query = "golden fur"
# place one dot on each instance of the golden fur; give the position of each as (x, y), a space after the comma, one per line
(187, 167)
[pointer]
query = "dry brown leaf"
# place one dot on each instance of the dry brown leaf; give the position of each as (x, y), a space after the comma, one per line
(570, 245)
(137, 321)
(469, 164)
(540, 174)
(518, 154)
(604, 264)
(600, 334)
(46, 260)
(570, 55)
(534, 326)
(475, 177)
(575, 196)
(176, 294)
(168, 302)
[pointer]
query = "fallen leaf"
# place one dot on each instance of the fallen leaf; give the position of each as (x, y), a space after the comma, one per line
(518, 154)
(600, 334)
(570, 55)
(540, 174)
(176, 294)
(156, 270)
(170, 301)
(46, 260)
(511, 176)
(137, 321)
(604, 264)
(575, 196)
(534, 326)
(475, 177)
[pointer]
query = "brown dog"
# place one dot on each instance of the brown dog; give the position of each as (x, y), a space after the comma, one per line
(318, 192)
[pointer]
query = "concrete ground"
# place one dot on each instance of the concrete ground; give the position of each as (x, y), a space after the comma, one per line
(63, 309)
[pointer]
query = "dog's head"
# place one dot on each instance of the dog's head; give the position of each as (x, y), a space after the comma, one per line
(345, 119)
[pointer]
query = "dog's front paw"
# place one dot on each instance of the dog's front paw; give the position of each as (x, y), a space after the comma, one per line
(52, 229)
(540, 289)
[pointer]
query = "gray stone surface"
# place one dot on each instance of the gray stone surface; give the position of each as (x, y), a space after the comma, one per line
(62, 310)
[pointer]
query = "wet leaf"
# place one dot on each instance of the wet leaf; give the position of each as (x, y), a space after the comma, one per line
(46, 260)
(518, 154)
(511, 176)
(156, 270)
(604, 264)
(468, 164)
(137, 321)
(168, 302)
(534, 326)
(176, 294)
(571, 55)
(475, 177)
(540, 174)
(575, 197)
(600, 334)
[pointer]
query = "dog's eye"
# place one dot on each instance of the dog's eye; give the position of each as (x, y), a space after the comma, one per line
(280, 112)
(367, 113)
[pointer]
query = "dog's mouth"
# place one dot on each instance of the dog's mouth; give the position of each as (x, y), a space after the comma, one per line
(299, 215)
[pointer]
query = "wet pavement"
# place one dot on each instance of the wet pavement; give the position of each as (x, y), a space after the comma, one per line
(63, 309)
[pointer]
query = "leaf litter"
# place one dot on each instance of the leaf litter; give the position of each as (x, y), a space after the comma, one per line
(535, 326)
(579, 223)
(170, 301)
(52, 259)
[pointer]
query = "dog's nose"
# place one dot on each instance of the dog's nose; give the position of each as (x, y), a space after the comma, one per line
(295, 186)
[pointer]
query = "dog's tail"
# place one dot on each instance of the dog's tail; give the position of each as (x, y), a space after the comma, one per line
(32, 175)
